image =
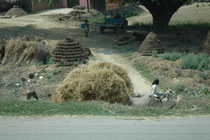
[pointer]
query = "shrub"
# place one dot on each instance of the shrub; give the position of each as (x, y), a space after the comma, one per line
(178, 87)
(155, 54)
(205, 90)
(199, 62)
(203, 75)
(172, 56)
(56, 71)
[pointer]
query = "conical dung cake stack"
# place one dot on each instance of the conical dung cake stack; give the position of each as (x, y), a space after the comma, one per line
(150, 44)
(69, 52)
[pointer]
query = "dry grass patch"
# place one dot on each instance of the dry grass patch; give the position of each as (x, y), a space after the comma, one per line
(96, 81)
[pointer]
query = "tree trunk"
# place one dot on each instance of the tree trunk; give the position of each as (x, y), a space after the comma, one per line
(160, 22)
(162, 11)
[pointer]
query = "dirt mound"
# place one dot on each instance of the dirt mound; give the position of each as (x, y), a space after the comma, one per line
(16, 12)
(76, 15)
(19, 51)
(69, 52)
(150, 44)
(206, 46)
(96, 81)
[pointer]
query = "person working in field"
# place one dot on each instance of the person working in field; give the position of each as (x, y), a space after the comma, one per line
(86, 27)
(30, 87)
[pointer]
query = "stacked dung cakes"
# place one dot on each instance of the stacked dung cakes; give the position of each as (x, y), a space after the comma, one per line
(150, 44)
(68, 52)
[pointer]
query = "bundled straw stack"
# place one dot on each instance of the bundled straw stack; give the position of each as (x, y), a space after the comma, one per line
(69, 52)
(20, 51)
(96, 81)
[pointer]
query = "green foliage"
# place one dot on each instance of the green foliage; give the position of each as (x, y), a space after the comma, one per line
(172, 56)
(179, 87)
(203, 75)
(56, 71)
(200, 62)
(204, 90)
(155, 54)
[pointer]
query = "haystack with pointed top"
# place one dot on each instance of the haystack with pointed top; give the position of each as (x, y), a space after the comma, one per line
(69, 52)
(206, 46)
(150, 44)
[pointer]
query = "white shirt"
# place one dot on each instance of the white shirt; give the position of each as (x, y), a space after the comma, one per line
(154, 90)
(30, 86)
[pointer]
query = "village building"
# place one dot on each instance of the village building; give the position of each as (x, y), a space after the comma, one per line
(101, 5)
(36, 5)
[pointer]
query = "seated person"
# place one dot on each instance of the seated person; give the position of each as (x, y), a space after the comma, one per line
(154, 90)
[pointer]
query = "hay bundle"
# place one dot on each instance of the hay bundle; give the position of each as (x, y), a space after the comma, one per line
(21, 52)
(96, 81)
(69, 52)
(16, 12)
(150, 44)
(206, 46)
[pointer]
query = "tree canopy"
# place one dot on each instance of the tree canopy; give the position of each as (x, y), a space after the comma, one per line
(163, 10)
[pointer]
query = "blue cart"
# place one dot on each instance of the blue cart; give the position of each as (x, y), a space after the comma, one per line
(113, 23)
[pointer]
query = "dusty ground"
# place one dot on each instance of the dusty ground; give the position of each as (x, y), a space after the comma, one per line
(104, 47)
(41, 26)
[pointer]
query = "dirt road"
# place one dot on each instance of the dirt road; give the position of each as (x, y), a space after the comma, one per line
(141, 85)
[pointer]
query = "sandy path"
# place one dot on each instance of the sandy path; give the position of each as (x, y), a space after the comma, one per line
(141, 85)
(39, 19)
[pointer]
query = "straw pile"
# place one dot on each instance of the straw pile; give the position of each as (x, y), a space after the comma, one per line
(18, 51)
(150, 44)
(96, 81)
(69, 52)
(75, 15)
(16, 12)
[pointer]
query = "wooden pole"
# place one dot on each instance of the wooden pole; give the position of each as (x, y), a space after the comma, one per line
(88, 6)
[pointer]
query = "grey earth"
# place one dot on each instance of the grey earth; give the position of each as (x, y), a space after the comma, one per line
(104, 128)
